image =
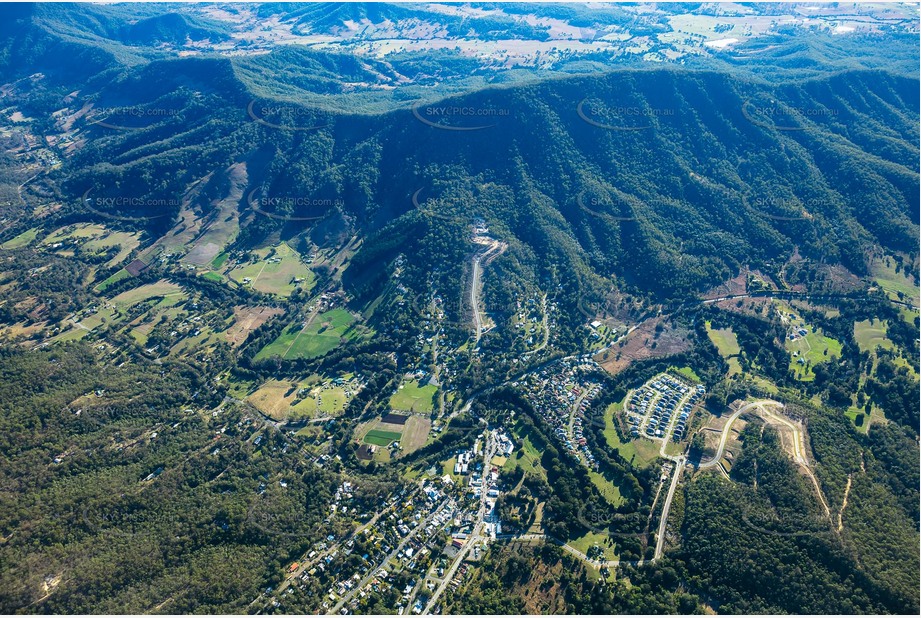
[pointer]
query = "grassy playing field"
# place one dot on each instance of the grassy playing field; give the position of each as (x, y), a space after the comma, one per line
(413, 398)
(379, 437)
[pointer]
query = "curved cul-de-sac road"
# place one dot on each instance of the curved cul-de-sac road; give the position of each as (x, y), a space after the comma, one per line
(764, 409)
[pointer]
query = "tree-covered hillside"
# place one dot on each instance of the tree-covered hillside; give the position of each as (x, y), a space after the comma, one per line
(665, 181)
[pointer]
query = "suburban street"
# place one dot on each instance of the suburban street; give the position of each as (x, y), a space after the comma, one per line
(383, 563)
(663, 520)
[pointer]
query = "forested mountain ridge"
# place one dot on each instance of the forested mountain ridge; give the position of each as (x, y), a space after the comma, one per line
(690, 168)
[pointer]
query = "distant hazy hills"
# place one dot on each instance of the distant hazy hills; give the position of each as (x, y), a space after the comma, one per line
(78, 41)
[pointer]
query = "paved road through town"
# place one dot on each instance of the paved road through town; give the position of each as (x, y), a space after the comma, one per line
(489, 450)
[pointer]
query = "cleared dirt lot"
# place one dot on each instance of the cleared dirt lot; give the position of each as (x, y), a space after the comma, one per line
(274, 398)
(246, 320)
(415, 433)
(643, 343)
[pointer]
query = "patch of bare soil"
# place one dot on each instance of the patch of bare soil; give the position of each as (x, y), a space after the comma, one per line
(756, 307)
(246, 320)
(644, 343)
(736, 285)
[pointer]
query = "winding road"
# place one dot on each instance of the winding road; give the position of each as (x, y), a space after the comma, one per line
(799, 445)
(724, 438)
(475, 302)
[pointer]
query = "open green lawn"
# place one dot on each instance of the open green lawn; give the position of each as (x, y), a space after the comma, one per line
(75, 231)
(114, 312)
(312, 397)
(767, 385)
(217, 262)
(735, 367)
(276, 270)
(379, 437)
(909, 315)
(608, 489)
(686, 372)
(584, 543)
(727, 344)
(640, 452)
(213, 276)
(126, 241)
(674, 449)
(282, 343)
(527, 458)
(170, 292)
(327, 401)
(724, 340)
(863, 421)
(411, 397)
(22, 240)
(324, 334)
(893, 283)
(94, 238)
(146, 306)
(870, 334)
(815, 348)
(113, 279)
(73, 334)
(191, 342)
